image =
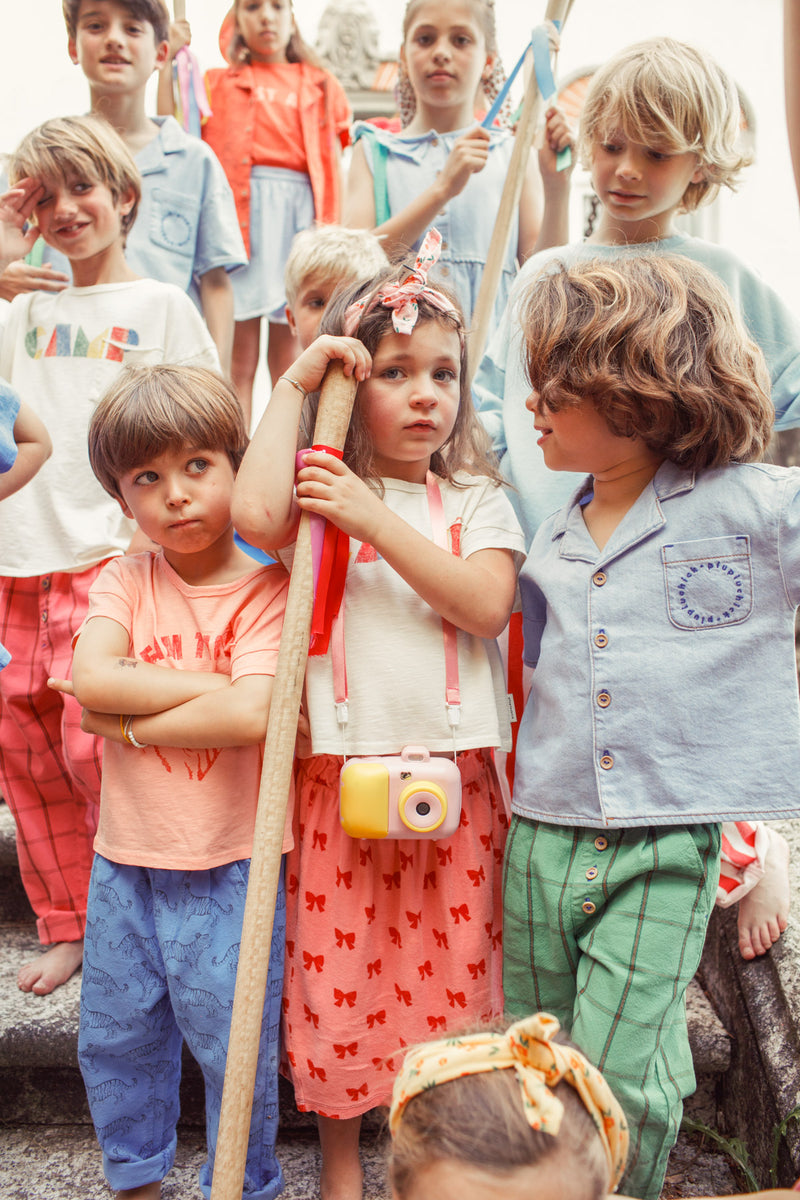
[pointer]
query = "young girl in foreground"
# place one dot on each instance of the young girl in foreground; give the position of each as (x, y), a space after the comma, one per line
(512, 1115)
(390, 940)
(279, 122)
(658, 608)
(444, 167)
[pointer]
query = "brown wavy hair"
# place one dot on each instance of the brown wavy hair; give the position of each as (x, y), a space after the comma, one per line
(653, 341)
(468, 448)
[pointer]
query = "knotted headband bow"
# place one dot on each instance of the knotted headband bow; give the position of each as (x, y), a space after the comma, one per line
(401, 297)
(539, 1062)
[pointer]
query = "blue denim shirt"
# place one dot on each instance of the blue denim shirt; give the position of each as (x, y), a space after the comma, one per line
(665, 689)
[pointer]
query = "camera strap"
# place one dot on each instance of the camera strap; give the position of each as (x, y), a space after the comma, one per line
(449, 633)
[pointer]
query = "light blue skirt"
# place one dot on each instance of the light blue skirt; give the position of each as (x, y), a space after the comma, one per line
(281, 204)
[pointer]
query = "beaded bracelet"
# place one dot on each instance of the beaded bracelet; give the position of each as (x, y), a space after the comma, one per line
(126, 724)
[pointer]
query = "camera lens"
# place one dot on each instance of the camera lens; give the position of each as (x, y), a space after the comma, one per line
(423, 808)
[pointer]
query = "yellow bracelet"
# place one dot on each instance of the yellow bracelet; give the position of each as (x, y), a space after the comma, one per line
(122, 726)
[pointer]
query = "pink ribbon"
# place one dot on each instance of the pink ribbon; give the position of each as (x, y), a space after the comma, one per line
(401, 297)
(190, 80)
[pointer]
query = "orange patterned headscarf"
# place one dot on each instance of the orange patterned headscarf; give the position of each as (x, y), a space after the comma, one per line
(527, 1048)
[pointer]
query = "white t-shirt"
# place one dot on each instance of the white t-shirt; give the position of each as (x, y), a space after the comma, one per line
(394, 645)
(61, 352)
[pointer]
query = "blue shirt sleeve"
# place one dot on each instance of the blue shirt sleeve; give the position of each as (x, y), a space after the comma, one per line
(9, 408)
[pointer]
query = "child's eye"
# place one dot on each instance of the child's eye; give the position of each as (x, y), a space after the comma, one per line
(391, 373)
(423, 39)
(462, 39)
(659, 155)
(198, 465)
(316, 302)
(611, 147)
(145, 477)
(445, 375)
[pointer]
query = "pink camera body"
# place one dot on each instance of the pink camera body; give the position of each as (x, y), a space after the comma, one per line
(406, 795)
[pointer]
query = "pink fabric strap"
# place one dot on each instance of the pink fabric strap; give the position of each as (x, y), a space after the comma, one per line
(449, 631)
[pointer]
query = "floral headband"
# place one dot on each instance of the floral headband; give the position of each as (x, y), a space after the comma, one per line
(539, 1062)
(401, 297)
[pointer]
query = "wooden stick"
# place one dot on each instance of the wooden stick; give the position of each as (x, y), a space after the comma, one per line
(509, 203)
(179, 9)
(333, 419)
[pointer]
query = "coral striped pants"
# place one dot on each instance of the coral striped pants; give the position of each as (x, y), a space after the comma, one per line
(49, 768)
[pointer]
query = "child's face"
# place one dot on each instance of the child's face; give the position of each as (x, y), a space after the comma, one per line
(266, 27)
(444, 53)
(81, 218)
(116, 51)
(310, 303)
(577, 438)
(182, 500)
(410, 401)
(641, 183)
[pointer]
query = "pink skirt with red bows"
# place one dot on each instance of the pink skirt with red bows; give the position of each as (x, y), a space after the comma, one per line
(387, 942)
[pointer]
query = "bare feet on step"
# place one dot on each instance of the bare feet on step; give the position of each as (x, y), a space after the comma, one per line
(51, 969)
(764, 911)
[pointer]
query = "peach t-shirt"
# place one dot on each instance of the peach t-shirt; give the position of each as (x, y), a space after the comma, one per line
(163, 806)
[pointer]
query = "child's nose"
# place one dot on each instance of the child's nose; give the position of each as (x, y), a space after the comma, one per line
(442, 48)
(532, 402)
(628, 164)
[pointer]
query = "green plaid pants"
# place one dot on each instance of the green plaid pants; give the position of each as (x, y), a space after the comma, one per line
(605, 930)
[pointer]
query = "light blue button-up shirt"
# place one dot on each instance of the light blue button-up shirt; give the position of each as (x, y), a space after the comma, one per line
(665, 689)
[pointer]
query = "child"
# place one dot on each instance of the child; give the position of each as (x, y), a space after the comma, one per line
(659, 131)
(444, 167)
(645, 726)
(323, 259)
(278, 125)
(183, 643)
(377, 924)
(511, 1113)
(61, 351)
(186, 233)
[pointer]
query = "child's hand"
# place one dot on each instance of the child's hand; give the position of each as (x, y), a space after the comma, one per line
(557, 136)
(105, 725)
(180, 35)
(16, 209)
(468, 156)
(61, 685)
(20, 277)
(309, 369)
(326, 486)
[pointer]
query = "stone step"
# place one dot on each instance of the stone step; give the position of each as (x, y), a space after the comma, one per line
(14, 904)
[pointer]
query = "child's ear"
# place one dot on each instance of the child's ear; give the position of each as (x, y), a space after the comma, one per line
(125, 508)
(72, 50)
(126, 201)
(162, 54)
(488, 68)
(291, 320)
(700, 174)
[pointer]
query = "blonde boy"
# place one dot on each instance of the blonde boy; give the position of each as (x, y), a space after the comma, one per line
(321, 260)
(61, 351)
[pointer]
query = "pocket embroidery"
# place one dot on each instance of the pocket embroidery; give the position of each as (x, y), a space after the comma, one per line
(709, 582)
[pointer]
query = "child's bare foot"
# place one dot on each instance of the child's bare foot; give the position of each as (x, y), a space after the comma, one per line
(51, 969)
(149, 1191)
(763, 911)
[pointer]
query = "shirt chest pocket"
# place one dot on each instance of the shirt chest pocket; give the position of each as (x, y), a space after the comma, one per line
(173, 220)
(709, 582)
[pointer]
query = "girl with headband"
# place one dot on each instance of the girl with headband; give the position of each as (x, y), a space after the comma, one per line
(511, 1114)
(391, 938)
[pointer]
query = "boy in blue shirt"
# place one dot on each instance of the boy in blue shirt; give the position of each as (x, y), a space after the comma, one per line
(187, 232)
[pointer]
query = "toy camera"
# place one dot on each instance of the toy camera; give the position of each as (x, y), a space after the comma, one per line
(406, 795)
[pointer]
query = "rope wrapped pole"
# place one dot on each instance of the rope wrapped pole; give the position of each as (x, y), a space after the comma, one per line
(333, 419)
(509, 201)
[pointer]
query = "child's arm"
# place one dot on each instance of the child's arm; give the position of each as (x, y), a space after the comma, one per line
(216, 299)
(476, 594)
(263, 509)
(33, 450)
(554, 227)
(469, 154)
(791, 64)
(180, 34)
(106, 679)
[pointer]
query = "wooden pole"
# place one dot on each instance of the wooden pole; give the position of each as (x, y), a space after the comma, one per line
(509, 202)
(333, 419)
(179, 9)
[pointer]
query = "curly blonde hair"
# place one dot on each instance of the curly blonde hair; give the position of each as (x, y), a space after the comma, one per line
(668, 93)
(654, 343)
